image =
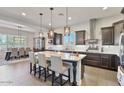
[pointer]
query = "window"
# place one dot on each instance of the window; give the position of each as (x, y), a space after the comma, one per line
(69, 39)
(8, 41)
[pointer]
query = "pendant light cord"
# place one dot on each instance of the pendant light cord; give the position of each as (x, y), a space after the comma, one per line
(51, 17)
(41, 22)
(66, 17)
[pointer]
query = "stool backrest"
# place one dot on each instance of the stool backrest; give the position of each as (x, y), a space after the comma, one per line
(21, 51)
(32, 57)
(42, 60)
(27, 50)
(56, 64)
(15, 52)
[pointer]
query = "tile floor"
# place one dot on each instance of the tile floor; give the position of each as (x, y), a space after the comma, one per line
(17, 74)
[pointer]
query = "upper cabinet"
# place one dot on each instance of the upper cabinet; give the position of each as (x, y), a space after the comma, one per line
(80, 37)
(107, 36)
(118, 29)
(57, 40)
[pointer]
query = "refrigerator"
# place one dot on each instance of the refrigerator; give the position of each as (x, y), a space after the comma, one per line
(39, 44)
(120, 73)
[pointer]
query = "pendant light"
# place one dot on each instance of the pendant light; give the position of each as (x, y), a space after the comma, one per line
(66, 28)
(41, 33)
(51, 31)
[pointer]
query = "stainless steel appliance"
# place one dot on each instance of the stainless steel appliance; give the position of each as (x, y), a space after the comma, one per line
(39, 44)
(120, 74)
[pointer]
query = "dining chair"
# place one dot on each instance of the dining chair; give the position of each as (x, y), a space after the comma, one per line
(43, 65)
(27, 50)
(14, 53)
(21, 52)
(57, 66)
(32, 63)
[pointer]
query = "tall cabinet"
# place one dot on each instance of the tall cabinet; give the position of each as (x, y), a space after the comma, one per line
(107, 36)
(118, 29)
(39, 44)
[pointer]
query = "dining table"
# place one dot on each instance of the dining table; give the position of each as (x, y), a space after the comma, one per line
(74, 59)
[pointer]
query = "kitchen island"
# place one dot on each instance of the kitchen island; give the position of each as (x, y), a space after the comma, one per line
(74, 60)
(106, 60)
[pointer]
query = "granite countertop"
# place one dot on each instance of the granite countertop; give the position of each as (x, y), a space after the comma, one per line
(105, 52)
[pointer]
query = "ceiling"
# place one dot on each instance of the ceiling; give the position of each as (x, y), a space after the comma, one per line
(32, 18)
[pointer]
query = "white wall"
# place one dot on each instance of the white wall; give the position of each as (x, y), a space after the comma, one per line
(29, 35)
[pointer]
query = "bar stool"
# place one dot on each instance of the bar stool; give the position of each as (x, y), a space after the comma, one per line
(57, 66)
(32, 63)
(43, 65)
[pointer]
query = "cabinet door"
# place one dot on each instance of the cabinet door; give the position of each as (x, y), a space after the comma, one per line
(114, 62)
(57, 40)
(105, 60)
(107, 35)
(118, 29)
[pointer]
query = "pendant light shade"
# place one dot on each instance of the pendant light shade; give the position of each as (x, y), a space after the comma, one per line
(66, 28)
(51, 31)
(41, 33)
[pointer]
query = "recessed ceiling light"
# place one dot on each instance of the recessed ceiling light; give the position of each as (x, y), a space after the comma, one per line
(69, 18)
(104, 8)
(49, 24)
(24, 14)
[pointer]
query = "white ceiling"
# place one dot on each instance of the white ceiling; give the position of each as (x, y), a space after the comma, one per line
(32, 19)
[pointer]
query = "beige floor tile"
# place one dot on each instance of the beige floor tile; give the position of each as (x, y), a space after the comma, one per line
(17, 74)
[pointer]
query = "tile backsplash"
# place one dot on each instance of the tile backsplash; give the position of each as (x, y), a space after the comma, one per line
(106, 48)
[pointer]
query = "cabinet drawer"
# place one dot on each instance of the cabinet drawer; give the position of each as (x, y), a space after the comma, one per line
(95, 57)
(92, 62)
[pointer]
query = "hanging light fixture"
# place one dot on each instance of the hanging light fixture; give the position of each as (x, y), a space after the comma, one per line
(66, 28)
(41, 33)
(51, 31)
(19, 34)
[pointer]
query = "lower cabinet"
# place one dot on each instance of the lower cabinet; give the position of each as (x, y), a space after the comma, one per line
(105, 60)
(102, 60)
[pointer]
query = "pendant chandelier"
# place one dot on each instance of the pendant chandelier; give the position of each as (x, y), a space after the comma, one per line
(66, 28)
(41, 33)
(51, 31)
(19, 34)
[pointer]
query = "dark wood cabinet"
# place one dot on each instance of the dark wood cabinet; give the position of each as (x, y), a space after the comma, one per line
(101, 60)
(118, 29)
(107, 36)
(57, 40)
(105, 60)
(92, 59)
(80, 37)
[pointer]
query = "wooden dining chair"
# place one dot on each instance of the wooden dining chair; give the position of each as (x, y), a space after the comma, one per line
(57, 66)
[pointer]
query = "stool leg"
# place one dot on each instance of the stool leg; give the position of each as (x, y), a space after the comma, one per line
(39, 71)
(30, 68)
(45, 74)
(53, 75)
(69, 75)
(61, 79)
(34, 69)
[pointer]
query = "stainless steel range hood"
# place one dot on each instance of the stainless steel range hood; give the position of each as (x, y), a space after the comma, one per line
(93, 42)
(92, 24)
(92, 28)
